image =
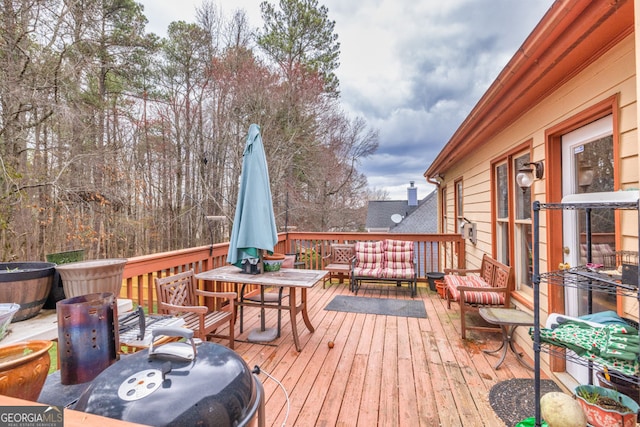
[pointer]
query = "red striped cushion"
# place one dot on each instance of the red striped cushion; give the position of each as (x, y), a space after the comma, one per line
(367, 272)
(399, 259)
(368, 256)
(453, 281)
(398, 273)
(485, 298)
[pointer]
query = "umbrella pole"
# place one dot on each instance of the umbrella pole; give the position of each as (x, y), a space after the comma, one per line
(262, 325)
(262, 334)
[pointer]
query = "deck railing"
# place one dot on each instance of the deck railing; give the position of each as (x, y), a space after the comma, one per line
(434, 252)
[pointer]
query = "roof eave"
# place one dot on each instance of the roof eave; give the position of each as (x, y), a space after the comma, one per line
(571, 36)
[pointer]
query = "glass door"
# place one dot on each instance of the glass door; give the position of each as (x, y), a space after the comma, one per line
(587, 167)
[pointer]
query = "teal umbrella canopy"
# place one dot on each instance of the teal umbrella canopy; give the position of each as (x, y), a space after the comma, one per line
(254, 224)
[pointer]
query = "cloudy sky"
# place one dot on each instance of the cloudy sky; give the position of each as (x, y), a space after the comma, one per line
(412, 69)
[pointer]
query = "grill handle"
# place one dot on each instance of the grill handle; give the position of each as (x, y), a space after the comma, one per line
(173, 350)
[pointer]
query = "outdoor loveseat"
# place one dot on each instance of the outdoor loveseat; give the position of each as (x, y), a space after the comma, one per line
(384, 261)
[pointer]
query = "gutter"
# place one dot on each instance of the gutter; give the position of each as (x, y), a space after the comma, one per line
(432, 180)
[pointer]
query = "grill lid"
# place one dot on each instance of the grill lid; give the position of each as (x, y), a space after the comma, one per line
(215, 389)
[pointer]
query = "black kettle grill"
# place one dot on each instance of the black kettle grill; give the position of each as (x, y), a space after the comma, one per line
(178, 384)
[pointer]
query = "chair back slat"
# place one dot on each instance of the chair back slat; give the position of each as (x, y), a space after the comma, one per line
(178, 289)
(342, 253)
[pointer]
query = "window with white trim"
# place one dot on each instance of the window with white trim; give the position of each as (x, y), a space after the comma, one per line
(522, 238)
(502, 212)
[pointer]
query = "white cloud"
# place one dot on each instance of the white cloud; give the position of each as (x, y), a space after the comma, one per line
(412, 69)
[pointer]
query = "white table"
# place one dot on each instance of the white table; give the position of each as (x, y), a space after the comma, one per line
(290, 278)
(44, 325)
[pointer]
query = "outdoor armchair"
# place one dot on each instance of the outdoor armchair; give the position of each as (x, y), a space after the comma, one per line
(179, 295)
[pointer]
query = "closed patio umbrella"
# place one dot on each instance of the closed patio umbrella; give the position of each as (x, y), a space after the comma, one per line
(254, 224)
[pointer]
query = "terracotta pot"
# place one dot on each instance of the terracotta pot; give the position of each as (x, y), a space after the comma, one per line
(441, 288)
(92, 277)
(601, 417)
(27, 284)
(23, 369)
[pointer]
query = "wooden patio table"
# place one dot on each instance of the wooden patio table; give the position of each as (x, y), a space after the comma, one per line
(290, 278)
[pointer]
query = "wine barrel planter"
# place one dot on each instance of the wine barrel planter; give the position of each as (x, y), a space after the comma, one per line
(27, 284)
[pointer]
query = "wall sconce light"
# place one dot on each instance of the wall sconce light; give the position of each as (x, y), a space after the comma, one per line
(526, 176)
(461, 223)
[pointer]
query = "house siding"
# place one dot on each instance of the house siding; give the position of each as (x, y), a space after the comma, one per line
(611, 75)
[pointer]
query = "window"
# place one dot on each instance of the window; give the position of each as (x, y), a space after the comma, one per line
(458, 204)
(512, 208)
(522, 224)
(502, 213)
(444, 210)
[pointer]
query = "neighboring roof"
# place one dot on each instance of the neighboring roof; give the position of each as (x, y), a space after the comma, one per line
(379, 213)
(571, 36)
(416, 219)
(422, 220)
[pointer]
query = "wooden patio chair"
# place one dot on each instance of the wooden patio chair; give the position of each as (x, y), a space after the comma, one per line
(179, 295)
(338, 262)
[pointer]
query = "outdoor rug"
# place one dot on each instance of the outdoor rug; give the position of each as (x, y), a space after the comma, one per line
(384, 306)
(513, 400)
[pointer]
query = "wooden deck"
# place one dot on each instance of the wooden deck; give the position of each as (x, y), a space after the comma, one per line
(383, 370)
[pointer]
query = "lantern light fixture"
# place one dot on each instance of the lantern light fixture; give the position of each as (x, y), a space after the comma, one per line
(526, 175)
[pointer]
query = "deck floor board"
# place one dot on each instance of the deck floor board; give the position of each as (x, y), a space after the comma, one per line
(382, 370)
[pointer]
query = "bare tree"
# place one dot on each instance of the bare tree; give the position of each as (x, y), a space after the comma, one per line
(122, 143)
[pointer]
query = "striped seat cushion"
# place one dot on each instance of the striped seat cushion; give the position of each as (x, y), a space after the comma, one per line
(484, 298)
(369, 258)
(367, 272)
(399, 259)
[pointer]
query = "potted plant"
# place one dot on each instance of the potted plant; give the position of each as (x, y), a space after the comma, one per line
(92, 277)
(272, 262)
(607, 408)
(26, 284)
(23, 369)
